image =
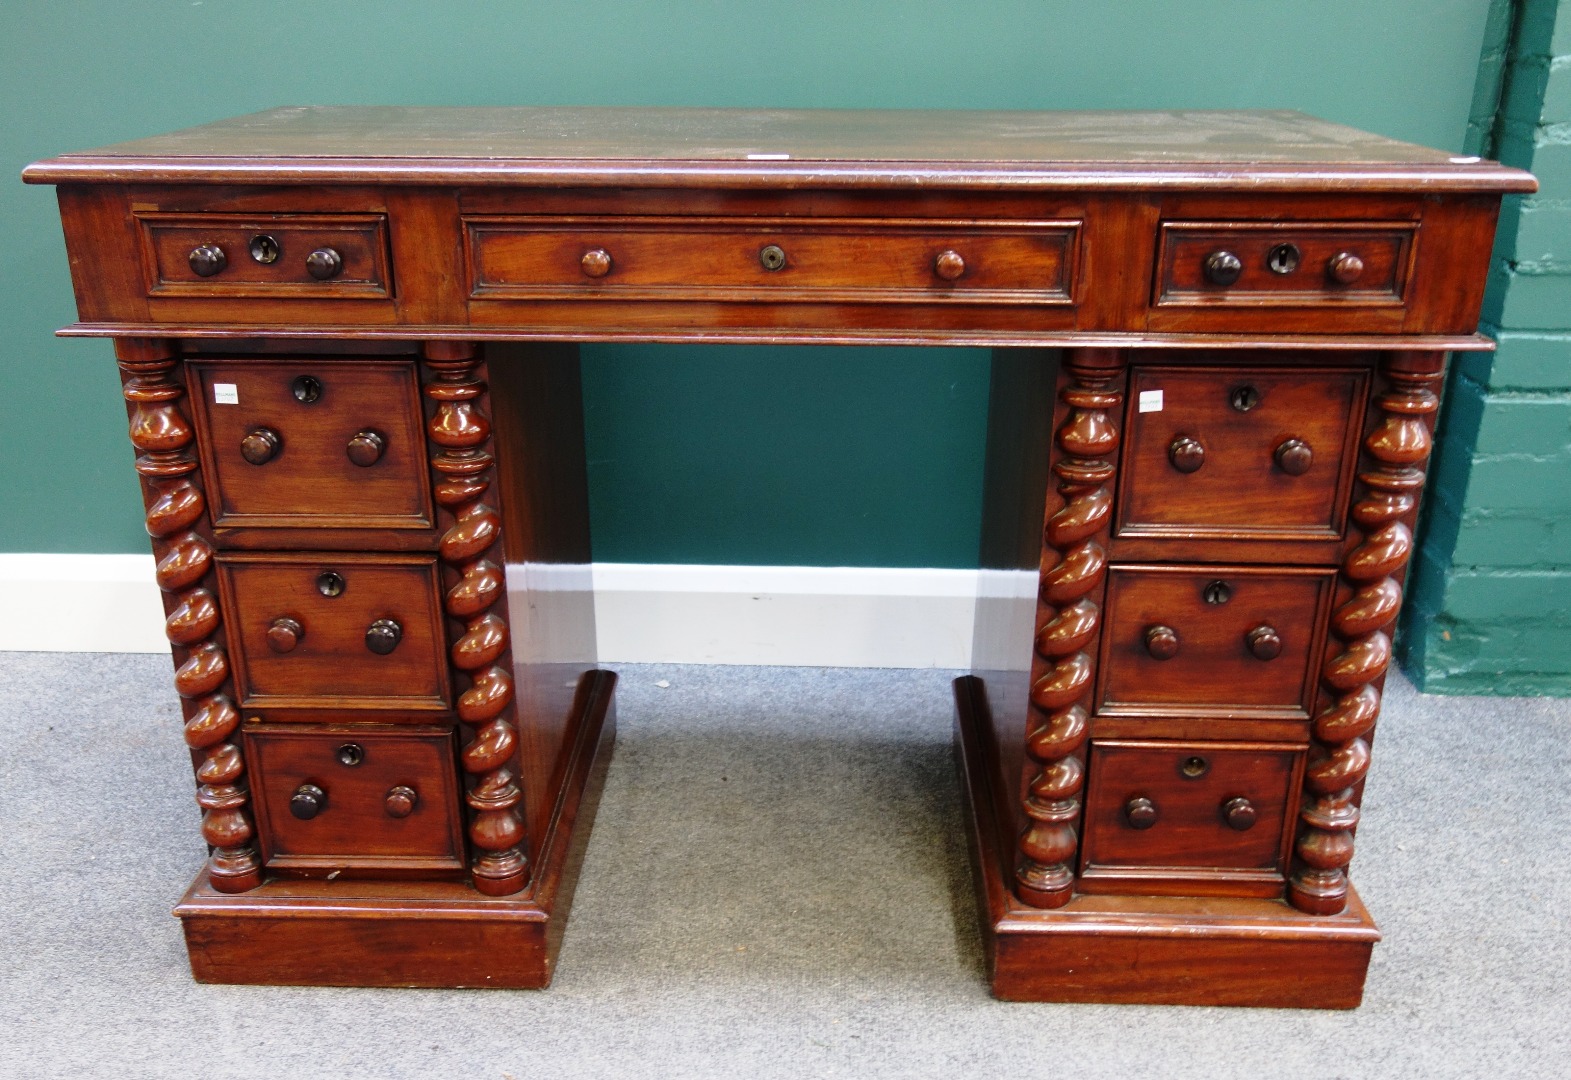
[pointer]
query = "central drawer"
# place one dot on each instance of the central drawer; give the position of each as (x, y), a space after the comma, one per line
(335, 630)
(823, 260)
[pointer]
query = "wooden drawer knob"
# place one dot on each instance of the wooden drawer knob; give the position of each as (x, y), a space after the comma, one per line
(1223, 268)
(366, 447)
(324, 263)
(596, 263)
(207, 260)
(261, 446)
(949, 265)
(1345, 268)
(1162, 642)
(1140, 812)
(401, 801)
(383, 636)
(1264, 643)
(307, 802)
(1239, 813)
(1294, 457)
(1186, 454)
(284, 634)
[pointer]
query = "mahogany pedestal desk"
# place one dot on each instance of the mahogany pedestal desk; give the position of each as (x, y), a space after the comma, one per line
(348, 345)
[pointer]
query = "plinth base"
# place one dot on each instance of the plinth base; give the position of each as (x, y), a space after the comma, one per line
(412, 933)
(1160, 950)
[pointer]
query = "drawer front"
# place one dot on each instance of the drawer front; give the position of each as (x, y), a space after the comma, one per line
(320, 256)
(1271, 264)
(335, 630)
(1236, 453)
(1025, 262)
(1223, 641)
(1202, 817)
(345, 798)
(312, 443)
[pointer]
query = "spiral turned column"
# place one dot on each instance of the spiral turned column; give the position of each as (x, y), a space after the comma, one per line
(176, 520)
(1359, 651)
(1069, 620)
(471, 548)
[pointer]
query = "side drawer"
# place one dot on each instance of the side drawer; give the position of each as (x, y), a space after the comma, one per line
(335, 631)
(1195, 819)
(356, 800)
(1325, 265)
(318, 256)
(312, 443)
(1224, 641)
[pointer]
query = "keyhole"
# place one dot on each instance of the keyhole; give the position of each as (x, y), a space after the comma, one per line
(1283, 259)
(264, 249)
(1244, 398)
(1217, 592)
(306, 389)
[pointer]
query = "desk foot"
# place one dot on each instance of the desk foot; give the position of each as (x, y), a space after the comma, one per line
(295, 932)
(1158, 950)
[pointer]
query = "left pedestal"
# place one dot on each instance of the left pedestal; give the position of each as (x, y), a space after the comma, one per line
(412, 933)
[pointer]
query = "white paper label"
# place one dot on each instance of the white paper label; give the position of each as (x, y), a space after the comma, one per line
(1150, 401)
(226, 393)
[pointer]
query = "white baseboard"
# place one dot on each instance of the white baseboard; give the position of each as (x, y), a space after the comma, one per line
(645, 613)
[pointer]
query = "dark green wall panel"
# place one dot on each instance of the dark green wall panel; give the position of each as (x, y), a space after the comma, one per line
(701, 455)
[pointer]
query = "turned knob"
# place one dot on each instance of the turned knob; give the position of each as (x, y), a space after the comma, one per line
(949, 265)
(1162, 642)
(596, 263)
(772, 257)
(1264, 642)
(383, 636)
(260, 446)
(1223, 268)
(1186, 454)
(401, 801)
(1345, 268)
(1294, 457)
(307, 802)
(1140, 812)
(324, 263)
(366, 447)
(284, 634)
(207, 260)
(1239, 813)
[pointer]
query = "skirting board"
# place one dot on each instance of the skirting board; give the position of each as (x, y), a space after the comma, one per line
(809, 616)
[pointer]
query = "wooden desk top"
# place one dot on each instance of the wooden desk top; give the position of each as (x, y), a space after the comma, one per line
(821, 148)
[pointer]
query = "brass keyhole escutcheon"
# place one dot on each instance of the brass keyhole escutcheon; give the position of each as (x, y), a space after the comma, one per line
(264, 249)
(330, 583)
(1217, 592)
(1283, 259)
(1193, 768)
(306, 389)
(772, 257)
(1244, 398)
(350, 754)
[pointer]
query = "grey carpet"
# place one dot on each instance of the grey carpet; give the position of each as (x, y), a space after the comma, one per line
(776, 887)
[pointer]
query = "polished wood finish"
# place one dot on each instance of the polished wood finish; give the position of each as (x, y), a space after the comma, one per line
(348, 337)
(354, 773)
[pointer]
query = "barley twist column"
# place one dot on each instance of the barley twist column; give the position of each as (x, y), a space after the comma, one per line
(1069, 619)
(176, 520)
(471, 548)
(1359, 652)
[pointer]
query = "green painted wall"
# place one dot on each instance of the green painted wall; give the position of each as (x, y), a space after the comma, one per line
(698, 455)
(1490, 602)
